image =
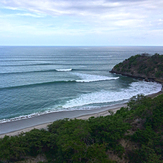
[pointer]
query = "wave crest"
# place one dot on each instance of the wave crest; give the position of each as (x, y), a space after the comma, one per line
(86, 78)
(64, 70)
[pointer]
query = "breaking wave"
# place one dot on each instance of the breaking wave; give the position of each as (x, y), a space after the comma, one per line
(93, 78)
(103, 96)
(88, 101)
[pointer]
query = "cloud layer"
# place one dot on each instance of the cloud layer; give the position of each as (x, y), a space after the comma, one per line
(104, 20)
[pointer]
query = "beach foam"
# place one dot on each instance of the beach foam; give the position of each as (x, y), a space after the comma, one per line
(135, 88)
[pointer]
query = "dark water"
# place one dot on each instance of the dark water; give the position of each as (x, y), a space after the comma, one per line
(37, 80)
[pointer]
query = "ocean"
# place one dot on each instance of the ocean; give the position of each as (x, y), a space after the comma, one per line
(41, 80)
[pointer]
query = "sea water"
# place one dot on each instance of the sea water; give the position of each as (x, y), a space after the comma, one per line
(39, 80)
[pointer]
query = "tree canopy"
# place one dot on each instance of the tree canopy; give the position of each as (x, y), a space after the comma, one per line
(142, 66)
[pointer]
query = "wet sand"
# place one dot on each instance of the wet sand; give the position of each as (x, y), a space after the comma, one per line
(25, 125)
(39, 122)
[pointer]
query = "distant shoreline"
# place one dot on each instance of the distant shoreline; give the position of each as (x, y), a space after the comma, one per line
(17, 127)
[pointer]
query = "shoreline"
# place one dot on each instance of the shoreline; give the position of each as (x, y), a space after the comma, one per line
(41, 122)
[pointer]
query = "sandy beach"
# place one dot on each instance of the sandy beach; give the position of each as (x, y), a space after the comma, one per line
(39, 122)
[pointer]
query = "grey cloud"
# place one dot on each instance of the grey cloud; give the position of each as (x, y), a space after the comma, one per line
(130, 1)
(109, 10)
(71, 6)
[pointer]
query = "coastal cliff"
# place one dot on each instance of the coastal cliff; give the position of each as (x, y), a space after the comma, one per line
(142, 66)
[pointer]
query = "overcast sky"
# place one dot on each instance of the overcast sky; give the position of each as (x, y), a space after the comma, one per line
(81, 22)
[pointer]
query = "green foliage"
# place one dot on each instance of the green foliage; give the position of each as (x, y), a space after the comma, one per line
(109, 129)
(11, 148)
(150, 136)
(143, 136)
(144, 66)
(159, 74)
(133, 58)
(155, 120)
(145, 155)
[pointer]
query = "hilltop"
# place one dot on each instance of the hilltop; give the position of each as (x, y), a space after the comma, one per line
(142, 66)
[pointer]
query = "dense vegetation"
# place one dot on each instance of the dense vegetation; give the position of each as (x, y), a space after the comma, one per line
(143, 66)
(133, 134)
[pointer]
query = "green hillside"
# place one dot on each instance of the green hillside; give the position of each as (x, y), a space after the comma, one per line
(132, 135)
(142, 66)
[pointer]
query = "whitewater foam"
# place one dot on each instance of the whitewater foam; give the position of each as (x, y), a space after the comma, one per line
(64, 70)
(92, 78)
(103, 96)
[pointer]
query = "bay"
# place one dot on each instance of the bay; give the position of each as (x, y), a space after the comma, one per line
(38, 80)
